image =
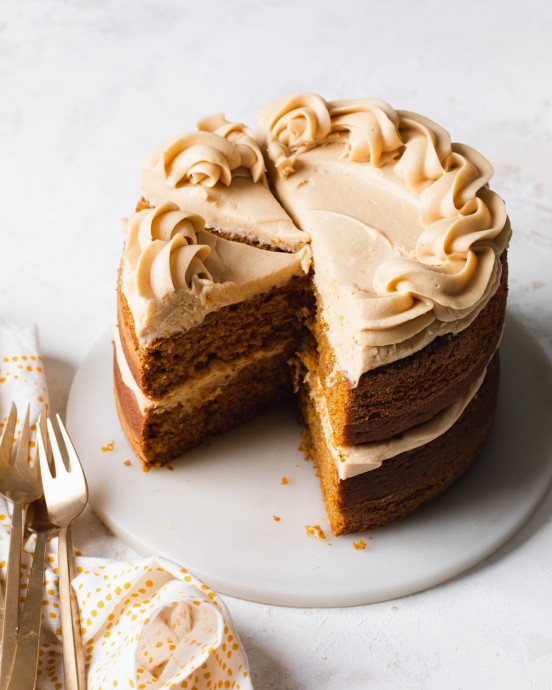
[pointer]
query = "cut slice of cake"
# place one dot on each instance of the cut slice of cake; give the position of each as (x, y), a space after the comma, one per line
(206, 325)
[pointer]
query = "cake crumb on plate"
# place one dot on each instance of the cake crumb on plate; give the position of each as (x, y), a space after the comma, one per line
(315, 531)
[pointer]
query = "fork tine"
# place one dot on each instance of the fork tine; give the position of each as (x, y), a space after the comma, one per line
(42, 453)
(6, 443)
(23, 448)
(59, 465)
(43, 432)
(74, 462)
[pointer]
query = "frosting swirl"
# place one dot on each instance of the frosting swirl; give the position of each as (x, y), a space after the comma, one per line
(426, 146)
(163, 254)
(251, 158)
(300, 121)
(217, 152)
(371, 125)
(296, 124)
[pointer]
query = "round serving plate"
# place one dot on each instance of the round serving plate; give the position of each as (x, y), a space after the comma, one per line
(215, 511)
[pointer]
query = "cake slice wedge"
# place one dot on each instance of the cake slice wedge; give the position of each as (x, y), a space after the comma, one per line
(205, 329)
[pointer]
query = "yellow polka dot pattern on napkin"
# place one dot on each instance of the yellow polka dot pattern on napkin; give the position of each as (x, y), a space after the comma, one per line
(145, 624)
(151, 624)
(22, 378)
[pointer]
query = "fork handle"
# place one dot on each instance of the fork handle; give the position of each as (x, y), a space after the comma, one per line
(75, 617)
(73, 653)
(23, 673)
(11, 606)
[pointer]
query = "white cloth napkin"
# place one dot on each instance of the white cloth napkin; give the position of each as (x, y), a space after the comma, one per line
(148, 624)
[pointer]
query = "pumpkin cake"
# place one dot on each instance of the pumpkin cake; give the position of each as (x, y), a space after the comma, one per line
(350, 253)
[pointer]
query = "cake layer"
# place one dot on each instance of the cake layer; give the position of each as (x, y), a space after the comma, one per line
(366, 457)
(271, 317)
(160, 434)
(206, 384)
(392, 398)
(407, 481)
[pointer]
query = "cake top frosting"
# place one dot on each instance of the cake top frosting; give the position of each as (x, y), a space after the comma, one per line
(405, 233)
(175, 272)
(218, 171)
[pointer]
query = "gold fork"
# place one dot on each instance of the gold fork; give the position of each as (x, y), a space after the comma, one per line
(24, 669)
(66, 495)
(20, 483)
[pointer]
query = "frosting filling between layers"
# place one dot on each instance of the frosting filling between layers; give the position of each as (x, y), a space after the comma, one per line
(354, 460)
(203, 387)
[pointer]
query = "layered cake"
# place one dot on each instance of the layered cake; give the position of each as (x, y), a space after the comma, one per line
(349, 254)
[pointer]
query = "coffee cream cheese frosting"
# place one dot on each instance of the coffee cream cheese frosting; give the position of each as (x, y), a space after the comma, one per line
(175, 272)
(218, 172)
(405, 234)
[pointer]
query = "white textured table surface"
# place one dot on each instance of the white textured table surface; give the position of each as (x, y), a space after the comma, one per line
(88, 87)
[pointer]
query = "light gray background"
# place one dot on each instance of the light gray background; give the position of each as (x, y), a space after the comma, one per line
(88, 87)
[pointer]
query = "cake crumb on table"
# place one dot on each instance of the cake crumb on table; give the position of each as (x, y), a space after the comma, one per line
(276, 518)
(359, 545)
(285, 480)
(109, 447)
(315, 531)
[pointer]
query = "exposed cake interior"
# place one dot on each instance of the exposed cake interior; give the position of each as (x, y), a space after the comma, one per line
(411, 478)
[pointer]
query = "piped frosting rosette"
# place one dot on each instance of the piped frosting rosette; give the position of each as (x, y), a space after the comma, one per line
(162, 252)
(217, 152)
(218, 171)
(454, 266)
